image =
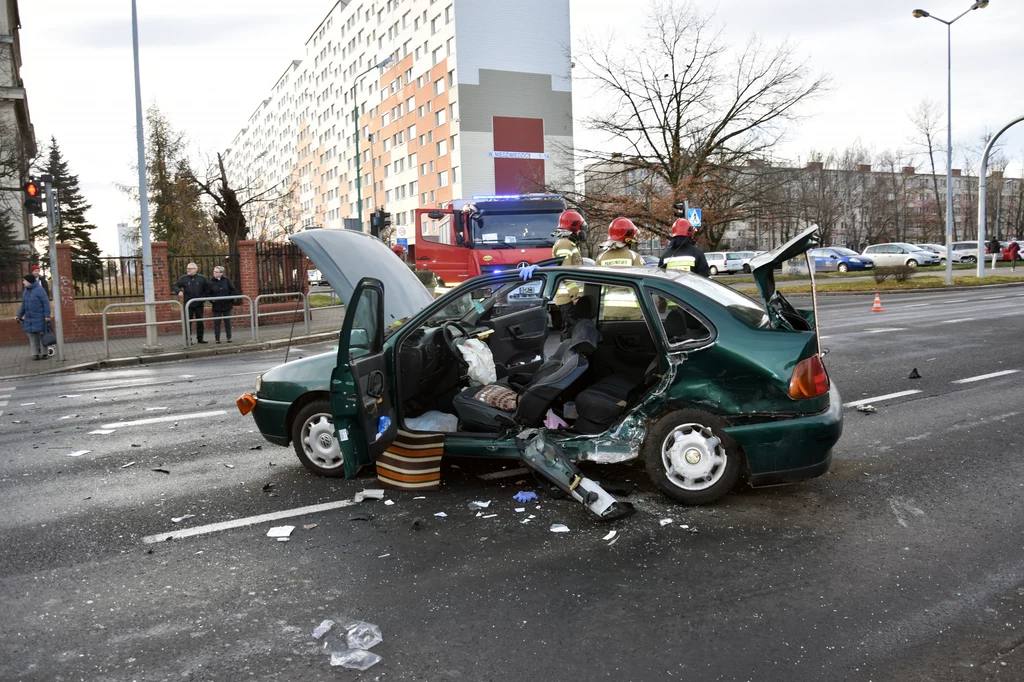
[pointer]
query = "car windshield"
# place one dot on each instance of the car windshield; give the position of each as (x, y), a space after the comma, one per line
(844, 252)
(739, 305)
(908, 247)
(511, 230)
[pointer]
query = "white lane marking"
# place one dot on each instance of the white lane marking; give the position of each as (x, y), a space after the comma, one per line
(982, 377)
(956, 300)
(101, 432)
(824, 337)
(169, 418)
(8, 387)
(917, 305)
(248, 521)
(3, 403)
(992, 298)
(878, 399)
(887, 329)
(27, 404)
(962, 319)
(155, 409)
(4, 396)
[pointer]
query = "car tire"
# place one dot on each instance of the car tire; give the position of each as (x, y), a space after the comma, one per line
(713, 270)
(911, 263)
(315, 442)
(970, 259)
(843, 267)
(690, 458)
(942, 261)
(746, 268)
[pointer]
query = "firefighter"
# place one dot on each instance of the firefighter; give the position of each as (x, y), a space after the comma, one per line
(572, 229)
(399, 251)
(682, 253)
(616, 251)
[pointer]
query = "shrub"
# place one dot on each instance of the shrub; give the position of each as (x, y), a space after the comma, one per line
(899, 273)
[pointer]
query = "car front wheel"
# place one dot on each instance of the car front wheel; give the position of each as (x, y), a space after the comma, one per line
(911, 263)
(970, 259)
(746, 268)
(942, 261)
(690, 458)
(713, 270)
(315, 442)
(843, 267)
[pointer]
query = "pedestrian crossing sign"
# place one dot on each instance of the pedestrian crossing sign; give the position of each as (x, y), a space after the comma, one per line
(694, 217)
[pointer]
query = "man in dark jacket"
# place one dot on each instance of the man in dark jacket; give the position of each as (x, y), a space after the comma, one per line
(220, 285)
(682, 253)
(193, 285)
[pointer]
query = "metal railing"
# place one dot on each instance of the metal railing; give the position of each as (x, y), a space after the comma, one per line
(107, 278)
(106, 327)
(251, 315)
(301, 297)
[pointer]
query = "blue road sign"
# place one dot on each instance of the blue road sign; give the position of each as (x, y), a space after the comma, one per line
(403, 241)
(694, 217)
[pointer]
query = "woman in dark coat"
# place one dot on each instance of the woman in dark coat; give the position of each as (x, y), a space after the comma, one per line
(220, 285)
(33, 313)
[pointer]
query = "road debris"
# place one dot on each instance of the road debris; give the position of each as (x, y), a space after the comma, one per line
(369, 494)
(79, 453)
(309, 526)
(914, 374)
(357, 659)
(420, 497)
(866, 409)
(474, 506)
(179, 519)
(161, 471)
(525, 496)
(229, 466)
(520, 510)
(611, 534)
(503, 474)
(665, 522)
(136, 445)
(441, 514)
(129, 464)
(322, 629)
(280, 532)
(256, 447)
(360, 517)
(559, 528)
(268, 486)
(71, 395)
(388, 503)
(490, 516)
(383, 556)
(155, 409)
(101, 432)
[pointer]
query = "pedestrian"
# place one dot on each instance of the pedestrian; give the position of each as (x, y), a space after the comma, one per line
(572, 230)
(399, 251)
(683, 254)
(43, 282)
(616, 251)
(994, 248)
(33, 315)
(1014, 251)
(189, 286)
(220, 285)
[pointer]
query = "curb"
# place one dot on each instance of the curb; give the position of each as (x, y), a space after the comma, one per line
(892, 292)
(179, 355)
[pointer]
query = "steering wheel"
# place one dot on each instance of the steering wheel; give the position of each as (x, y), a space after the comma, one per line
(453, 333)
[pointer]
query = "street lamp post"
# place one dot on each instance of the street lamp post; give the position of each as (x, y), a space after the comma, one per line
(355, 121)
(921, 14)
(982, 189)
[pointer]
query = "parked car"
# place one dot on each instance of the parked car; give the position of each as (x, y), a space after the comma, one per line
(969, 251)
(650, 261)
(940, 251)
(839, 259)
(620, 384)
(719, 262)
(745, 258)
(900, 253)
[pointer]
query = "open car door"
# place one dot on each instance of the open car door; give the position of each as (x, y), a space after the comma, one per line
(361, 404)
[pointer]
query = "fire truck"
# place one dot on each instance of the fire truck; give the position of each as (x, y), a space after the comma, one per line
(486, 234)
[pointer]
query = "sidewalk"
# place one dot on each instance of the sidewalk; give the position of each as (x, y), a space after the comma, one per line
(15, 360)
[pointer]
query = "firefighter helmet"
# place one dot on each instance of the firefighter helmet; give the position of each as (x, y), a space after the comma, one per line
(683, 228)
(622, 230)
(398, 249)
(571, 221)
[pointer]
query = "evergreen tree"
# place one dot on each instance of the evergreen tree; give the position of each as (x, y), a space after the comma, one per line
(10, 254)
(73, 228)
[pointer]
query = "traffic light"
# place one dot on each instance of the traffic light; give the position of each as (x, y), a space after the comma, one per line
(34, 198)
(679, 209)
(379, 221)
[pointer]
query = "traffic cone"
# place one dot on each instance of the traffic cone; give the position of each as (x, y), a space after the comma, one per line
(878, 305)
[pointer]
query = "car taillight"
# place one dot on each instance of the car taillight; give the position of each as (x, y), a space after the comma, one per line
(810, 379)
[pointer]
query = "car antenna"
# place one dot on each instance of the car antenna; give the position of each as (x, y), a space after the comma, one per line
(291, 333)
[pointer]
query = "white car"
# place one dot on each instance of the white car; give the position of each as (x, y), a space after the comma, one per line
(900, 253)
(720, 262)
(745, 257)
(969, 250)
(940, 251)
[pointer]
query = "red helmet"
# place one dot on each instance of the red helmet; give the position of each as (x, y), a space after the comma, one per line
(683, 228)
(622, 230)
(398, 249)
(571, 220)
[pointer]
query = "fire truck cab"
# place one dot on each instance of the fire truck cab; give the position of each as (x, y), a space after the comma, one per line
(486, 234)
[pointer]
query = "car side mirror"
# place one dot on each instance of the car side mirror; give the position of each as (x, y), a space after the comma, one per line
(833, 256)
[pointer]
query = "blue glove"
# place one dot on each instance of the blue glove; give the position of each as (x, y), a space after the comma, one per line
(525, 496)
(526, 272)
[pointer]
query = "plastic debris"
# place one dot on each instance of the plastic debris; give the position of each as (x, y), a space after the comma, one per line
(384, 556)
(441, 514)
(559, 528)
(867, 409)
(665, 522)
(490, 516)
(417, 524)
(161, 471)
(362, 635)
(129, 464)
(474, 506)
(525, 521)
(268, 486)
(420, 497)
(914, 374)
(280, 531)
(685, 527)
(525, 496)
(383, 424)
(614, 540)
(357, 659)
(179, 519)
(79, 453)
(553, 421)
(101, 432)
(229, 466)
(373, 494)
(520, 510)
(611, 534)
(309, 526)
(322, 629)
(389, 502)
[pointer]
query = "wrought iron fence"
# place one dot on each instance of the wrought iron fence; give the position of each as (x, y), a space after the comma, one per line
(11, 282)
(113, 278)
(176, 266)
(281, 267)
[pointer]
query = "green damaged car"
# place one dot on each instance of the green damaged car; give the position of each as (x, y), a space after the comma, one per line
(710, 388)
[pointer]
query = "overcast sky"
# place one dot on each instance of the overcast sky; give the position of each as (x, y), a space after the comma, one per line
(209, 64)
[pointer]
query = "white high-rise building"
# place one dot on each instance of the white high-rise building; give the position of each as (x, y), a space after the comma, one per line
(476, 100)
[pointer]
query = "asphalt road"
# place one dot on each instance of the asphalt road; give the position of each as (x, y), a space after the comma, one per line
(902, 563)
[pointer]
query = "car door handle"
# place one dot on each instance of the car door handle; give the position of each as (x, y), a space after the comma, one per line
(631, 344)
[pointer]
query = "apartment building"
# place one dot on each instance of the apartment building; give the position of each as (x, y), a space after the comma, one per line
(17, 136)
(475, 98)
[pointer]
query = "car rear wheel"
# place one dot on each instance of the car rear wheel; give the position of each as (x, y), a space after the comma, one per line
(970, 259)
(713, 270)
(911, 263)
(316, 444)
(746, 268)
(942, 261)
(843, 267)
(690, 458)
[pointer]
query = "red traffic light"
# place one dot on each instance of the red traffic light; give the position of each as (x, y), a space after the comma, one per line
(32, 189)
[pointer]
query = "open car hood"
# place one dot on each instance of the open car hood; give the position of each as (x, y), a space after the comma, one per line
(344, 257)
(763, 266)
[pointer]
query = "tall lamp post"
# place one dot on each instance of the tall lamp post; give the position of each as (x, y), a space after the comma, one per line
(355, 121)
(922, 14)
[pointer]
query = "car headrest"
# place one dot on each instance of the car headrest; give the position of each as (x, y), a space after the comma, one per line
(585, 337)
(675, 324)
(584, 308)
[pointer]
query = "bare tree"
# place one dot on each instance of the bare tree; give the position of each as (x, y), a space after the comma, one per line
(926, 119)
(687, 113)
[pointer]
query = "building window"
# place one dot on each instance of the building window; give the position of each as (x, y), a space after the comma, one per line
(442, 147)
(452, 142)
(423, 169)
(455, 174)
(451, 78)
(439, 86)
(449, 14)
(450, 46)
(441, 117)
(434, 24)
(442, 179)
(436, 56)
